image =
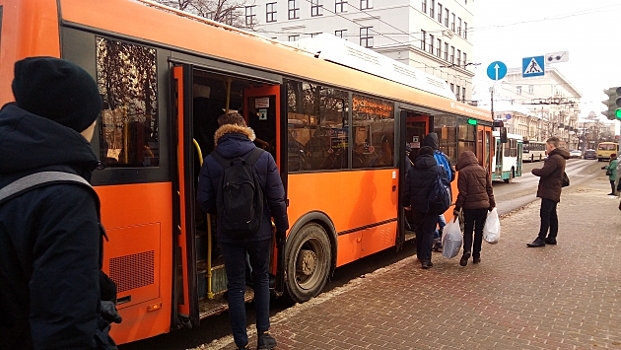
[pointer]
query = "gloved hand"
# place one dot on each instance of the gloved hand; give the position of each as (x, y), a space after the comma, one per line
(281, 237)
(455, 214)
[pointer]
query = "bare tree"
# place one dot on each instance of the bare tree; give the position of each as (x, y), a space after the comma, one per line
(236, 13)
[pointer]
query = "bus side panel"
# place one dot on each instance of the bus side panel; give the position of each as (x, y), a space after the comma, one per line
(138, 256)
(353, 200)
(29, 28)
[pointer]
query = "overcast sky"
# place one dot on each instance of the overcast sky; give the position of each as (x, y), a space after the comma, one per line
(508, 30)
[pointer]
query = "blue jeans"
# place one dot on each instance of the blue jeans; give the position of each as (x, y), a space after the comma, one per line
(441, 222)
(235, 265)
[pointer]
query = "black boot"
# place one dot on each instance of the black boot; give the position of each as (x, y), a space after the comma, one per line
(265, 341)
(537, 243)
(464, 258)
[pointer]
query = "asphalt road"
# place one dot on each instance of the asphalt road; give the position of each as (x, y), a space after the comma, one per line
(509, 197)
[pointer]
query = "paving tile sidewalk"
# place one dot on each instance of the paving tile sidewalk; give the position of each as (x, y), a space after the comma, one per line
(557, 297)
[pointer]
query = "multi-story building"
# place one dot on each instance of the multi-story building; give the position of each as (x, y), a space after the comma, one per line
(431, 35)
(540, 107)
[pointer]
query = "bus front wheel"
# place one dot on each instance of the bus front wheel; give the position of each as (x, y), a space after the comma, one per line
(308, 262)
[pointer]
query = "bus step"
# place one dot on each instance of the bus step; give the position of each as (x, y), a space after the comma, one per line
(217, 305)
(218, 280)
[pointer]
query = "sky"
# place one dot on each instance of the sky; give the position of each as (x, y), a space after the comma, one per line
(508, 30)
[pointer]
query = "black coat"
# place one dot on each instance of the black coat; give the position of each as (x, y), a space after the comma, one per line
(551, 175)
(419, 181)
(49, 238)
(235, 141)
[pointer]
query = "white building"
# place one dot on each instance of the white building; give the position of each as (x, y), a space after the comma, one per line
(431, 35)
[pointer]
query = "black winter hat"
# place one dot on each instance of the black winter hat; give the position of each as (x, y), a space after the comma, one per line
(58, 90)
(425, 151)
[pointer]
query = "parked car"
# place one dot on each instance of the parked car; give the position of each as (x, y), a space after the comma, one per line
(574, 153)
(590, 154)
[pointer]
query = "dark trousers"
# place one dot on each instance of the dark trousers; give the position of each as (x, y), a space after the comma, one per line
(549, 219)
(424, 235)
(474, 220)
(612, 186)
(235, 265)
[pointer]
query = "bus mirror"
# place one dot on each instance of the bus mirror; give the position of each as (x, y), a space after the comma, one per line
(503, 134)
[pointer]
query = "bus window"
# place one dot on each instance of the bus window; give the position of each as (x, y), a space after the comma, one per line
(317, 126)
(127, 79)
(446, 128)
(466, 137)
(374, 132)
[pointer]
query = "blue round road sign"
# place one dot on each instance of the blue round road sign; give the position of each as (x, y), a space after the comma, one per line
(496, 70)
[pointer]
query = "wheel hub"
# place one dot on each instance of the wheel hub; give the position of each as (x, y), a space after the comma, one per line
(307, 262)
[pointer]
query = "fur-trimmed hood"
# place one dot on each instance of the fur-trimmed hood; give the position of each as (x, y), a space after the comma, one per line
(232, 128)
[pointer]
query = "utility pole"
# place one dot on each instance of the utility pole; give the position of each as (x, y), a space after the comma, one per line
(491, 90)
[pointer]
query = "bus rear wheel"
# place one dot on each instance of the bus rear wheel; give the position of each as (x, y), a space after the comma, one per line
(511, 176)
(308, 261)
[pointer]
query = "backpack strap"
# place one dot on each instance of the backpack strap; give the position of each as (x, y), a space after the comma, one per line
(250, 157)
(39, 179)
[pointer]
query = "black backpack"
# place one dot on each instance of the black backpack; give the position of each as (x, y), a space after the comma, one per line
(440, 195)
(239, 198)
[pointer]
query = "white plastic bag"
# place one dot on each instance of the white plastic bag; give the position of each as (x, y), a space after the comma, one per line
(451, 239)
(491, 230)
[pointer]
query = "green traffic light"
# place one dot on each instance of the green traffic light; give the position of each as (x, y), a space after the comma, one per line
(618, 113)
(474, 121)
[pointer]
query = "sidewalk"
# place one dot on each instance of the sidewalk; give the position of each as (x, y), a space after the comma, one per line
(558, 297)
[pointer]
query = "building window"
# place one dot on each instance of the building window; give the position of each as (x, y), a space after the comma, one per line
(432, 9)
(459, 26)
(458, 57)
(452, 54)
(457, 91)
(446, 17)
(366, 39)
(446, 51)
(465, 30)
(270, 12)
(439, 48)
(519, 90)
(316, 8)
(251, 15)
(453, 22)
(295, 37)
(463, 94)
(431, 40)
(313, 35)
(425, 6)
(365, 4)
(339, 6)
(452, 87)
(423, 41)
(531, 89)
(294, 9)
(439, 13)
(341, 33)
(465, 61)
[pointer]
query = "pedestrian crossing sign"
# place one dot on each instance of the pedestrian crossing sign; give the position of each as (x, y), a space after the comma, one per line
(533, 66)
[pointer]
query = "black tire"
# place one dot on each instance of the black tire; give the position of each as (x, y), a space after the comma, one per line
(511, 176)
(307, 262)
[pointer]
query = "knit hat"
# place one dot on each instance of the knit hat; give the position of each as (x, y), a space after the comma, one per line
(425, 150)
(408, 148)
(58, 90)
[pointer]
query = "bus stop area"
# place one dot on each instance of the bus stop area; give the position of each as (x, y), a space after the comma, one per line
(558, 297)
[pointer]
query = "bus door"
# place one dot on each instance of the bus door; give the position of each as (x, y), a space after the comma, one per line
(518, 166)
(484, 149)
(498, 163)
(413, 128)
(262, 113)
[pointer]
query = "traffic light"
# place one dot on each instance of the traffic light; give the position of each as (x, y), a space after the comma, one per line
(613, 103)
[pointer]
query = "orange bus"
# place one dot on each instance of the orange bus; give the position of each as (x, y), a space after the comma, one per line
(335, 124)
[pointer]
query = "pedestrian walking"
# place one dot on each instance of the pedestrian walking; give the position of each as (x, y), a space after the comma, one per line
(549, 190)
(419, 182)
(234, 142)
(611, 171)
(475, 198)
(50, 236)
(432, 141)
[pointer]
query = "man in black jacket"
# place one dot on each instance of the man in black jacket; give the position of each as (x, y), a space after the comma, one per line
(234, 139)
(50, 238)
(418, 184)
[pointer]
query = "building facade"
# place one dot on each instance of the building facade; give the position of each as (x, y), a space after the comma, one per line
(430, 35)
(539, 107)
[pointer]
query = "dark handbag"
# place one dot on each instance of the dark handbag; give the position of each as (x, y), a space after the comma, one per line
(608, 172)
(565, 182)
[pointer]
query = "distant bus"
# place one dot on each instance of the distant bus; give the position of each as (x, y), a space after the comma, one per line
(508, 159)
(534, 151)
(605, 150)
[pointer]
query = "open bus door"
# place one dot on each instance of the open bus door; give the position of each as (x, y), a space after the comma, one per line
(262, 113)
(185, 299)
(413, 128)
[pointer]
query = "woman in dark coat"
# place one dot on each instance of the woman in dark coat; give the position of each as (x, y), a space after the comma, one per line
(476, 198)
